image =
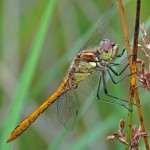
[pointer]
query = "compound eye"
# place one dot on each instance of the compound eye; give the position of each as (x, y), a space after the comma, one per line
(108, 49)
(106, 45)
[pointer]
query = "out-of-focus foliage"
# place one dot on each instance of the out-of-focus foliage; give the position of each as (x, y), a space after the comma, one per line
(71, 19)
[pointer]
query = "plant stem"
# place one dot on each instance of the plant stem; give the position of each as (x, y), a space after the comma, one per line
(123, 21)
(141, 118)
(133, 70)
(125, 33)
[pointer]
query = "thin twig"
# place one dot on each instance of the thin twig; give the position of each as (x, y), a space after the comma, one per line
(125, 33)
(129, 119)
(133, 69)
(141, 118)
(133, 81)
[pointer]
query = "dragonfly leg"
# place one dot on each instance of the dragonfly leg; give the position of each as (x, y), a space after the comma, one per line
(99, 84)
(106, 91)
(120, 55)
(111, 102)
(116, 82)
(107, 101)
(117, 64)
(116, 73)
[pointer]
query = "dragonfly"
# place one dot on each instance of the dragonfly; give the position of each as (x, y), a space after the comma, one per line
(87, 61)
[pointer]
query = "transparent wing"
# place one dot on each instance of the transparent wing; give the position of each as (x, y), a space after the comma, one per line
(86, 87)
(99, 29)
(67, 109)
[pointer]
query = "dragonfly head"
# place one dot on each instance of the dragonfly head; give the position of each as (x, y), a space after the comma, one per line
(108, 49)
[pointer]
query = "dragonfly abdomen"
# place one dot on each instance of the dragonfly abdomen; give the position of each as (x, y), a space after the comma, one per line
(32, 117)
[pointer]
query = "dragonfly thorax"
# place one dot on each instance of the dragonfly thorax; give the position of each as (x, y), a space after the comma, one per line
(90, 60)
(108, 50)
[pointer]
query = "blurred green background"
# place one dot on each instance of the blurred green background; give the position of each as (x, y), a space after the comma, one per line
(38, 40)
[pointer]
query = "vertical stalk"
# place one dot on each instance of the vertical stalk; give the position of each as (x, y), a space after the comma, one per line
(133, 70)
(125, 32)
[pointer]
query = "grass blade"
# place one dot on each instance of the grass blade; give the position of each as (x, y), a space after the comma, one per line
(27, 73)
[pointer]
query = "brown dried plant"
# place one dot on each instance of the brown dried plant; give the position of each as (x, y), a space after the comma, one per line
(143, 74)
(136, 134)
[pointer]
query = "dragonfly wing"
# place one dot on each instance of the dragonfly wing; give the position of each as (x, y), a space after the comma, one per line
(99, 29)
(67, 109)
